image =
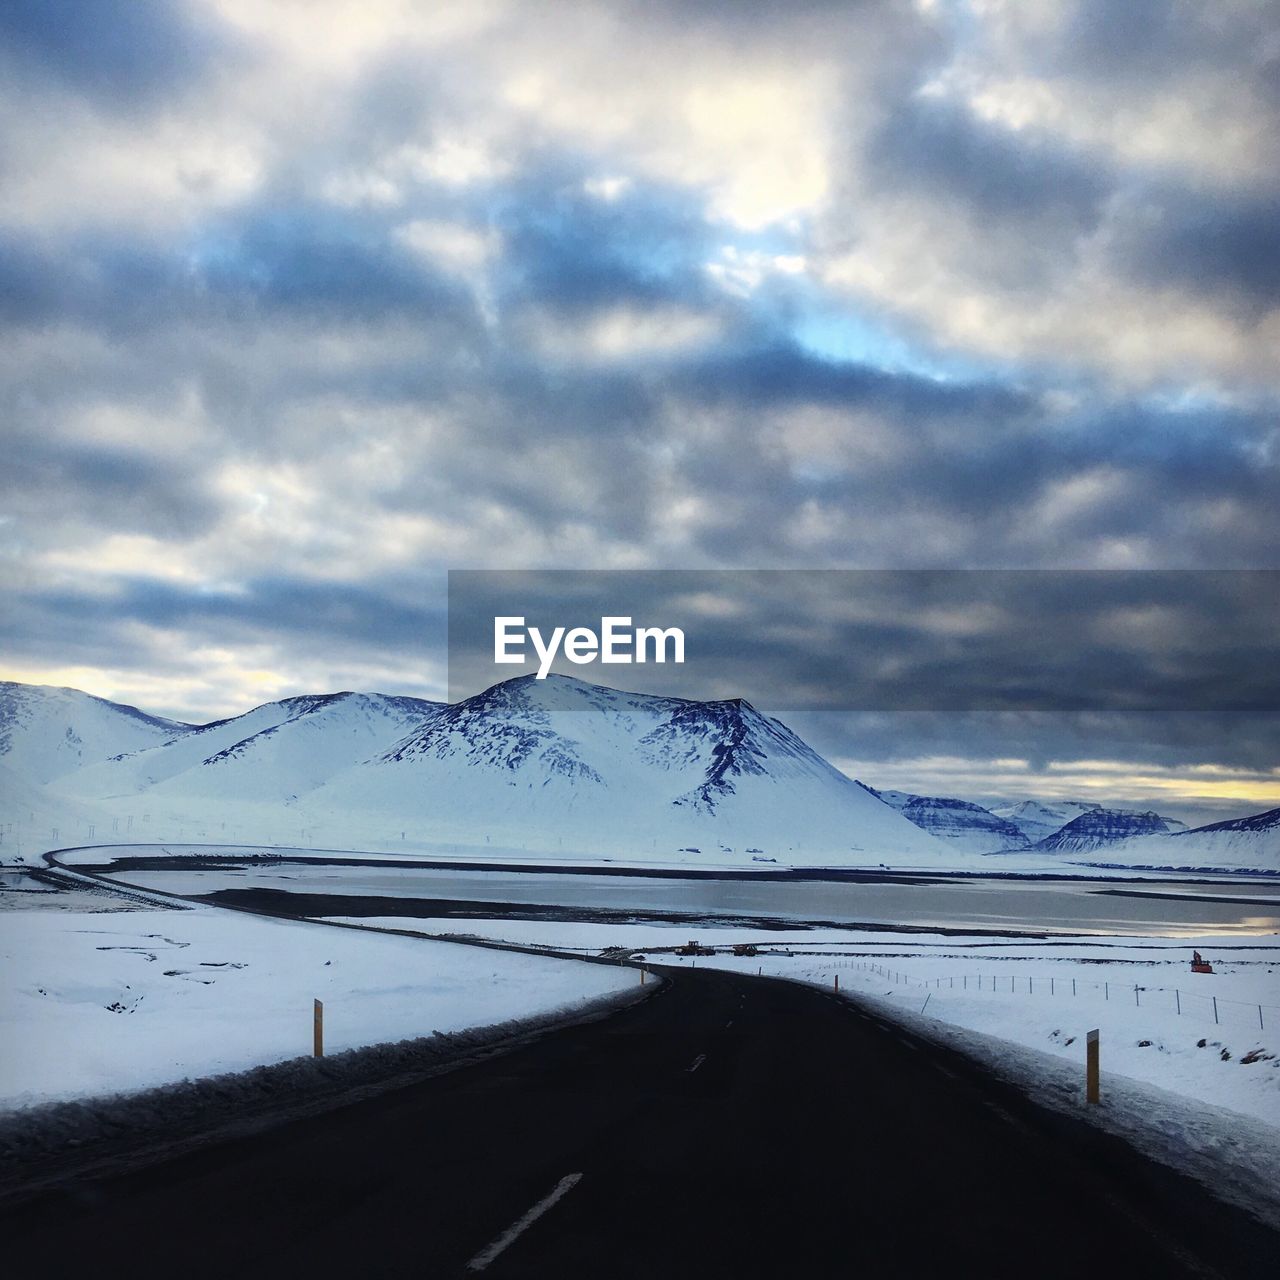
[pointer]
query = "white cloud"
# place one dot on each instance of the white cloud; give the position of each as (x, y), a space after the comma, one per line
(622, 333)
(452, 246)
(742, 271)
(607, 187)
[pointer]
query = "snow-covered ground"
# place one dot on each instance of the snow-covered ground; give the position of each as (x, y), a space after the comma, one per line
(99, 995)
(1044, 995)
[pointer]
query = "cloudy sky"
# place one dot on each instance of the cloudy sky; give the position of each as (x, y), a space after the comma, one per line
(305, 302)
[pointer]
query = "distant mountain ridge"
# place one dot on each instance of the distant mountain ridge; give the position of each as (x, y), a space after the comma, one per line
(55, 731)
(279, 750)
(1268, 821)
(1037, 818)
(557, 768)
(527, 765)
(959, 822)
(1097, 828)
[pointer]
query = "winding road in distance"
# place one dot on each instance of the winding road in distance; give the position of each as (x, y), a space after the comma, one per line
(726, 1126)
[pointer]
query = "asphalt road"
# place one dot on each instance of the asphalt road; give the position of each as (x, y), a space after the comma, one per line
(728, 1126)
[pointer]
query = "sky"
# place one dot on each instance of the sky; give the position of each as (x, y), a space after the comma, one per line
(304, 304)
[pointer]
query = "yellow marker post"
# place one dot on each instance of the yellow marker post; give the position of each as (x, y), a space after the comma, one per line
(319, 1030)
(1091, 1067)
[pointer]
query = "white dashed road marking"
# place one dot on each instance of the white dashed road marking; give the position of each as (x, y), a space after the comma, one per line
(522, 1224)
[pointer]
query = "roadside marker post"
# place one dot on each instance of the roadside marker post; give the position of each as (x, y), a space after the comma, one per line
(836, 982)
(318, 1030)
(1091, 1067)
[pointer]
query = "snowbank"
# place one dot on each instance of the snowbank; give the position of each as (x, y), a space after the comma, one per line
(94, 1002)
(1231, 1063)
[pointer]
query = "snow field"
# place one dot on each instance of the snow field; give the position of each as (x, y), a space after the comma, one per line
(1232, 1063)
(95, 1002)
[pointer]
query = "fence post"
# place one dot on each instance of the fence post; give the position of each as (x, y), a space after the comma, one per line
(1177, 1000)
(1137, 999)
(1091, 1067)
(836, 984)
(1215, 1009)
(1260, 1026)
(1106, 991)
(318, 1030)
(1073, 986)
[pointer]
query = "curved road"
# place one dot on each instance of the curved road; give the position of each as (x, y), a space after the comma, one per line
(728, 1126)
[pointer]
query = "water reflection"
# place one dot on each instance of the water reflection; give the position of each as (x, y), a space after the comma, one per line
(1151, 908)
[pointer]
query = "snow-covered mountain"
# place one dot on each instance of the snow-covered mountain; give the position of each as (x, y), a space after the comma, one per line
(31, 817)
(961, 824)
(1237, 844)
(556, 766)
(564, 765)
(274, 753)
(1037, 819)
(46, 732)
(1097, 828)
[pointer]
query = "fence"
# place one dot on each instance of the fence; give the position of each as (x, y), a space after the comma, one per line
(1222, 1010)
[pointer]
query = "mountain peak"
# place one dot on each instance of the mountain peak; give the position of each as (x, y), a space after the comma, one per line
(960, 822)
(1097, 827)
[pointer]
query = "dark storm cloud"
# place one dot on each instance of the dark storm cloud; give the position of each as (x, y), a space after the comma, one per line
(1052, 198)
(321, 262)
(983, 459)
(552, 450)
(101, 487)
(268, 260)
(1213, 245)
(779, 372)
(937, 146)
(1148, 40)
(114, 284)
(1168, 740)
(576, 251)
(306, 612)
(122, 54)
(909, 641)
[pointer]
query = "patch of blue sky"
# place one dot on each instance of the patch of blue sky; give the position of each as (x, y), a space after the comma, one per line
(845, 336)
